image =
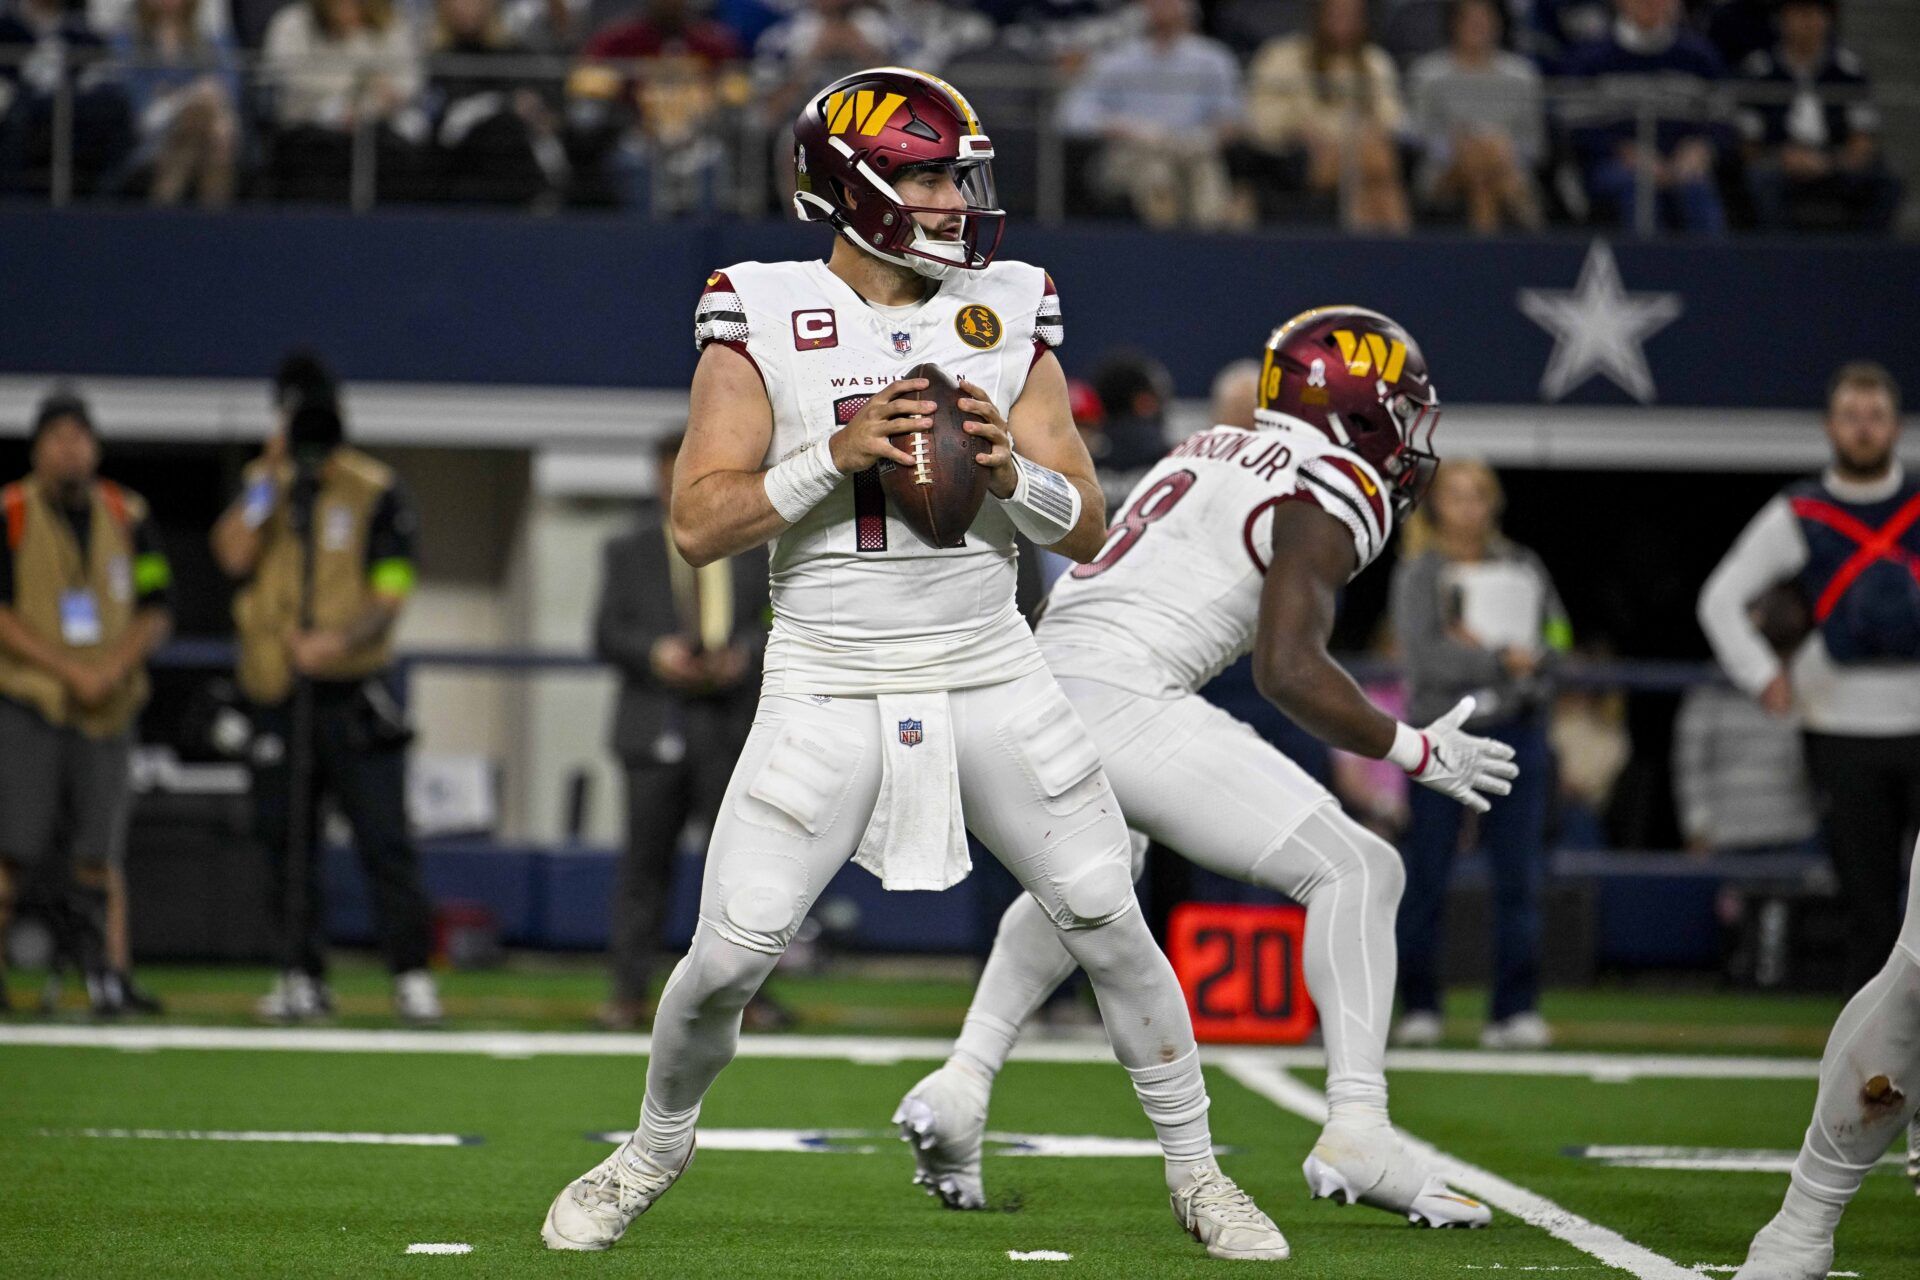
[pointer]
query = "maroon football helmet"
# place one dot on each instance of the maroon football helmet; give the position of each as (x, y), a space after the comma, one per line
(857, 134)
(1359, 379)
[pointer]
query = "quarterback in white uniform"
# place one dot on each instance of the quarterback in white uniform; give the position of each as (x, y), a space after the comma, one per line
(905, 700)
(1238, 540)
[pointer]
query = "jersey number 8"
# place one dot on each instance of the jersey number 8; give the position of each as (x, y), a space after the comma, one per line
(1161, 497)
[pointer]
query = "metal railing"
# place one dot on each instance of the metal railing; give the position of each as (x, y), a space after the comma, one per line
(740, 140)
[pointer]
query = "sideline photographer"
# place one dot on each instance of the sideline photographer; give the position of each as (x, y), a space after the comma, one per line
(322, 536)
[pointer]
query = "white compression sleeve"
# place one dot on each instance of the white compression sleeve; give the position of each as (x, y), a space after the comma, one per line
(1044, 505)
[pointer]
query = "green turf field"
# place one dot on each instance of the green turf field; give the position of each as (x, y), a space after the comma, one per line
(93, 1206)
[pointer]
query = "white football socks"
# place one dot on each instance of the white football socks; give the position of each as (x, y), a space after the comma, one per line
(1174, 1096)
(666, 1136)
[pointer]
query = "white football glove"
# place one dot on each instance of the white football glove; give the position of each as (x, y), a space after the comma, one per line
(1456, 763)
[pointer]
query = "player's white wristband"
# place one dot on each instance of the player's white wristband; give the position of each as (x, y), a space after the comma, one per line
(1410, 749)
(800, 482)
(1044, 504)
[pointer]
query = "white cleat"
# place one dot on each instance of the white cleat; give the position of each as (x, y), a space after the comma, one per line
(1372, 1166)
(943, 1118)
(295, 997)
(1778, 1254)
(594, 1210)
(416, 997)
(1523, 1032)
(1420, 1030)
(1913, 1154)
(1216, 1212)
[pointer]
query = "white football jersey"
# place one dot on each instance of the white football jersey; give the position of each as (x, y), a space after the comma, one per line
(1174, 596)
(860, 603)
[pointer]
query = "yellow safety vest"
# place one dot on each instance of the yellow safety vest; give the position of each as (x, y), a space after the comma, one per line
(47, 564)
(267, 610)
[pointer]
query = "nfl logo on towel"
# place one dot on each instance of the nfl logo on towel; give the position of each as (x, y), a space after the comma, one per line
(910, 733)
(902, 343)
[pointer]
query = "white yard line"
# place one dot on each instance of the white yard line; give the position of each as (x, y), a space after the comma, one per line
(273, 1135)
(1707, 1159)
(1265, 1078)
(880, 1050)
(439, 1248)
(861, 1142)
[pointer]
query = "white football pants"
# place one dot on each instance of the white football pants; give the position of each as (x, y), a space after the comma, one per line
(1032, 791)
(1193, 778)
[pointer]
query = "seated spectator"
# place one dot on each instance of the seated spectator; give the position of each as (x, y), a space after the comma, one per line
(1162, 106)
(185, 96)
(338, 66)
(1481, 120)
(496, 135)
(652, 130)
(113, 16)
(1554, 29)
(1650, 63)
(1815, 160)
(546, 26)
(823, 41)
(38, 38)
(1332, 98)
(1588, 733)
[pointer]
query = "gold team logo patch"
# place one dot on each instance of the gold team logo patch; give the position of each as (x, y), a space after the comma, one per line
(863, 111)
(977, 326)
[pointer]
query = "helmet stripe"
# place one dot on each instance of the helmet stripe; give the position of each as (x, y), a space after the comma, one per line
(959, 100)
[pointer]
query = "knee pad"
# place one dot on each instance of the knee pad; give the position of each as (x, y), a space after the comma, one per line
(762, 899)
(1098, 894)
(1055, 753)
(1137, 844)
(800, 786)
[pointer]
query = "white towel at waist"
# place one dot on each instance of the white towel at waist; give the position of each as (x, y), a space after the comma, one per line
(917, 838)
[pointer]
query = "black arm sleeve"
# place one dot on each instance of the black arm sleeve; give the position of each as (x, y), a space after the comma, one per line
(395, 530)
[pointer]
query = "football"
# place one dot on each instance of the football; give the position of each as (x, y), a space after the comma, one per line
(939, 495)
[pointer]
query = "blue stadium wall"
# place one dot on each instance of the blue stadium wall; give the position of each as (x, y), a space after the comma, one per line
(607, 302)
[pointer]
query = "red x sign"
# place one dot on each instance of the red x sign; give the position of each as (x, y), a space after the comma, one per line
(1875, 544)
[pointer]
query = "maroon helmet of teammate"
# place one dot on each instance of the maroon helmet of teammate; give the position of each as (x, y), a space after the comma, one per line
(854, 139)
(1359, 379)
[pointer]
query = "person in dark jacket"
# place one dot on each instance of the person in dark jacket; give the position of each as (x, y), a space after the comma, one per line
(1649, 61)
(1815, 152)
(687, 643)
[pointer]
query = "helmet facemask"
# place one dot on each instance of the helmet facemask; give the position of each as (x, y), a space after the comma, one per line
(1414, 464)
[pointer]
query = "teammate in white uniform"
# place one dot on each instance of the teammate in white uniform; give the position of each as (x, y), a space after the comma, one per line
(1239, 540)
(902, 688)
(1869, 1092)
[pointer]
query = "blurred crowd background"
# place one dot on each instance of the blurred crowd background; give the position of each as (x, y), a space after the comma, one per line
(1371, 115)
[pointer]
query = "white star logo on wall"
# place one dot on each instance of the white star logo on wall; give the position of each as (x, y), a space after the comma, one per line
(1598, 327)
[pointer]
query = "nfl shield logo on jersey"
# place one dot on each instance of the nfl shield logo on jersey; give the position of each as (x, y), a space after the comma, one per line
(902, 342)
(910, 733)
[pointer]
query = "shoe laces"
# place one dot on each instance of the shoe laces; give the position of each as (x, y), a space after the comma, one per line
(1223, 1199)
(619, 1185)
